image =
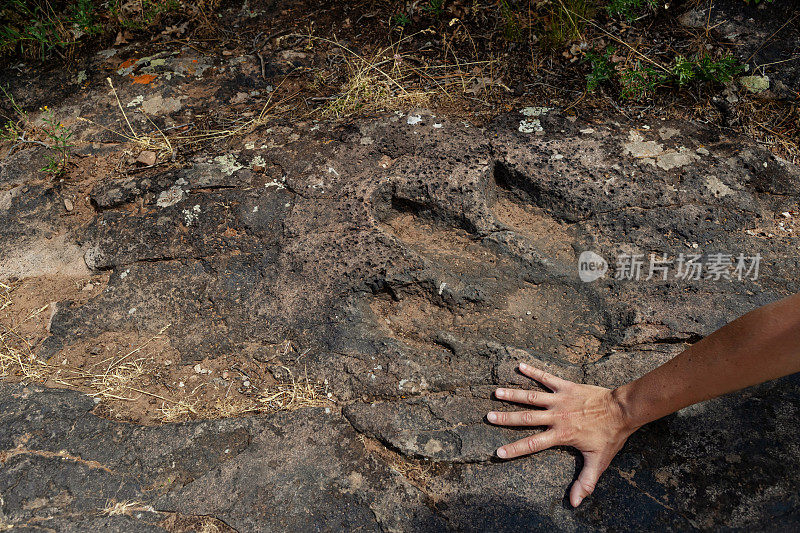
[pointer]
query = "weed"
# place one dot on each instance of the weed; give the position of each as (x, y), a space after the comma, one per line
(37, 28)
(682, 71)
(13, 129)
(145, 13)
(631, 9)
(434, 8)
(400, 19)
(602, 68)
(638, 81)
(59, 136)
(84, 18)
(720, 71)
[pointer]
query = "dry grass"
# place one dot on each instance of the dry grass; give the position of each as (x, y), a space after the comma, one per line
(774, 125)
(166, 144)
(418, 471)
(111, 379)
(124, 508)
(16, 353)
(390, 79)
(119, 378)
(209, 527)
(295, 394)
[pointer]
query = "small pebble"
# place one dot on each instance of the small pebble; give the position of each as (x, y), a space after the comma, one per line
(68, 205)
(246, 383)
(147, 158)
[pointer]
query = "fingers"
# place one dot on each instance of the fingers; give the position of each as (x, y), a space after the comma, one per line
(587, 479)
(548, 380)
(521, 418)
(532, 444)
(530, 397)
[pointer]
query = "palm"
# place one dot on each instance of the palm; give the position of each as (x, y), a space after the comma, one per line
(582, 416)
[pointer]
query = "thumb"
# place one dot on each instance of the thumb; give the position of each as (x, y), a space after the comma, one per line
(587, 479)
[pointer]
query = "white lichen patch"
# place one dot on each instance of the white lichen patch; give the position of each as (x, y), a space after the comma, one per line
(280, 184)
(532, 124)
(81, 77)
(670, 160)
(433, 446)
(535, 111)
(228, 164)
(191, 215)
(258, 161)
(136, 101)
(652, 152)
(639, 148)
(413, 120)
(154, 64)
(716, 186)
(171, 196)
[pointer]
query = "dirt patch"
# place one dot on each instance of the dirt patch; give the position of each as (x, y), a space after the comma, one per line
(447, 245)
(134, 377)
(552, 237)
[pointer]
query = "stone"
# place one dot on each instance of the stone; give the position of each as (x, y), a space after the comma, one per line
(755, 84)
(147, 158)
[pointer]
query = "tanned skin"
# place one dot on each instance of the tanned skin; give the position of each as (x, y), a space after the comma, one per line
(757, 347)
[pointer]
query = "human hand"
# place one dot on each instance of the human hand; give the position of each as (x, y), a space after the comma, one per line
(585, 417)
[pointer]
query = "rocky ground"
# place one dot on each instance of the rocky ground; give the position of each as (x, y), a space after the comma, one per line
(225, 316)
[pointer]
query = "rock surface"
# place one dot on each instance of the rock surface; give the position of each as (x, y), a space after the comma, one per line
(415, 263)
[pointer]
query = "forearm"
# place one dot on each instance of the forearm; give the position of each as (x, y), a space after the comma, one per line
(761, 345)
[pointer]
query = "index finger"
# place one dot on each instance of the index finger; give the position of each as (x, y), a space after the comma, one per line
(548, 380)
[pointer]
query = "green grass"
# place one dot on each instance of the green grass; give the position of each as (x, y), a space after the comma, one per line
(566, 21)
(631, 9)
(39, 29)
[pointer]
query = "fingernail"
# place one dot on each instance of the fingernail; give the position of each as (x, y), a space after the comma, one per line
(523, 366)
(492, 417)
(579, 502)
(501, 453)
(500, 393)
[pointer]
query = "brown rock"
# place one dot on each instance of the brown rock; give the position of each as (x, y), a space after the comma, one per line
(147, 158)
